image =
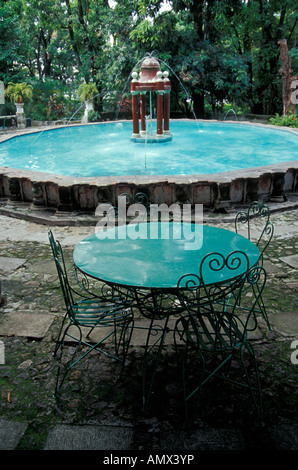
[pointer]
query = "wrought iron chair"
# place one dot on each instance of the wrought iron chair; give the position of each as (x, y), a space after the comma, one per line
(261, 233)
(85, 308)
(78, 281)
(115, 214)
(255, 224)
(157, 306)
(139, 198)
(141, 204)
(212, 324)
(92, 313)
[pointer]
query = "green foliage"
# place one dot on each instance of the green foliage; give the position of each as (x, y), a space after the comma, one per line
(87, 91)
(216, 69)
(56, 108)
(289, 120)
(12, 47)
(17, 92)
(219, 50)
(52, 100)
(94, 116)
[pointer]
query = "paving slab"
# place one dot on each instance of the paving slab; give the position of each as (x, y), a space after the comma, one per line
(286, 323)
(64, 437)
(8, 265)
(284, 436)
(73, 240)
(204, 439)
(291, 260)
(43, 267)
(271, 268)
(32, 325)
(11, 433)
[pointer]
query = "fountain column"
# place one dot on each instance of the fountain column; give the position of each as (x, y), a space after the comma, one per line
(166, 102)
(143, 112)
(159, 105)
(135, 105)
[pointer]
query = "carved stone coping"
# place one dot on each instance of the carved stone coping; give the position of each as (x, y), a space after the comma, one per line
(62, 193)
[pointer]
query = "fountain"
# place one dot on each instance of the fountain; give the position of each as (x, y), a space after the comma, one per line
(187, 164)
(231, 111)
(151, 80)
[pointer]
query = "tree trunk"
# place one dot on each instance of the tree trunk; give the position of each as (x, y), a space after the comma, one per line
(198, 104)
(47, 59)
(71, 34)
(287, 77)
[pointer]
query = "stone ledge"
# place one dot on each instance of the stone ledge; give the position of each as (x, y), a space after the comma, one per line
(11, 433)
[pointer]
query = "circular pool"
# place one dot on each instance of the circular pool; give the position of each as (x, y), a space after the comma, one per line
(105, 149)
(217, 164)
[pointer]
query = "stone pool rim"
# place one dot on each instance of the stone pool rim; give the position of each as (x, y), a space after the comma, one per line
(214, 190)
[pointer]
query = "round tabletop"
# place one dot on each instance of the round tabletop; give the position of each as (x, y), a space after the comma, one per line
(156, 255)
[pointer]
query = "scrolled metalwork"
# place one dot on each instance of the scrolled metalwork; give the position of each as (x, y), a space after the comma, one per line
(255, 209)
(156, 303)
(236, 260)
(216, 262)
(253, 275)
(142, 198)
(127, 198)
(82, 281)
(219, 276)
(262, 235)
(266, 235)
(213, 261)
(241, 218)
(189, 281)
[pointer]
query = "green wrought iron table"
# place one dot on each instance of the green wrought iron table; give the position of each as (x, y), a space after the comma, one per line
(155, 255)
(148, 259)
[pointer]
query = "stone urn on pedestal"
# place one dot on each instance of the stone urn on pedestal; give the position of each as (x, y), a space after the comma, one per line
(21, 118)
(88, 107)
(86, 92)
(18, 92)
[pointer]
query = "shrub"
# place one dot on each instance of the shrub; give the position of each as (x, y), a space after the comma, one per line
(94, 116)
(289, 120)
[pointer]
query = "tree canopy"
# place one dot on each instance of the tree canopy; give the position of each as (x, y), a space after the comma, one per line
(217, 51)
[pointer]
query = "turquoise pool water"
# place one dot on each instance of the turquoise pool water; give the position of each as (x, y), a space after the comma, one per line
(106, 149)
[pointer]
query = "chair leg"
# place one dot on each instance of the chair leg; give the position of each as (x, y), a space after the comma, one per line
(187, 395)
(262, 307)
(59, 340)
(70, 364)
(164, 330)
(255, 389)
(124, 341)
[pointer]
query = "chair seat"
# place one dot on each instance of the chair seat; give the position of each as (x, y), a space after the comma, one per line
(93, 313)
(203, 333)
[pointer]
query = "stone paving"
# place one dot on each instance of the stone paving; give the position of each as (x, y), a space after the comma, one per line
(96, 413)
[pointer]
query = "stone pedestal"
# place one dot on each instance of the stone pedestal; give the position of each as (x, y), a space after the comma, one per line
(21, 118)
(88, 107)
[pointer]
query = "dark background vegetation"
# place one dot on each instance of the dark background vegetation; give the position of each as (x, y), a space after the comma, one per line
(224, 52)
